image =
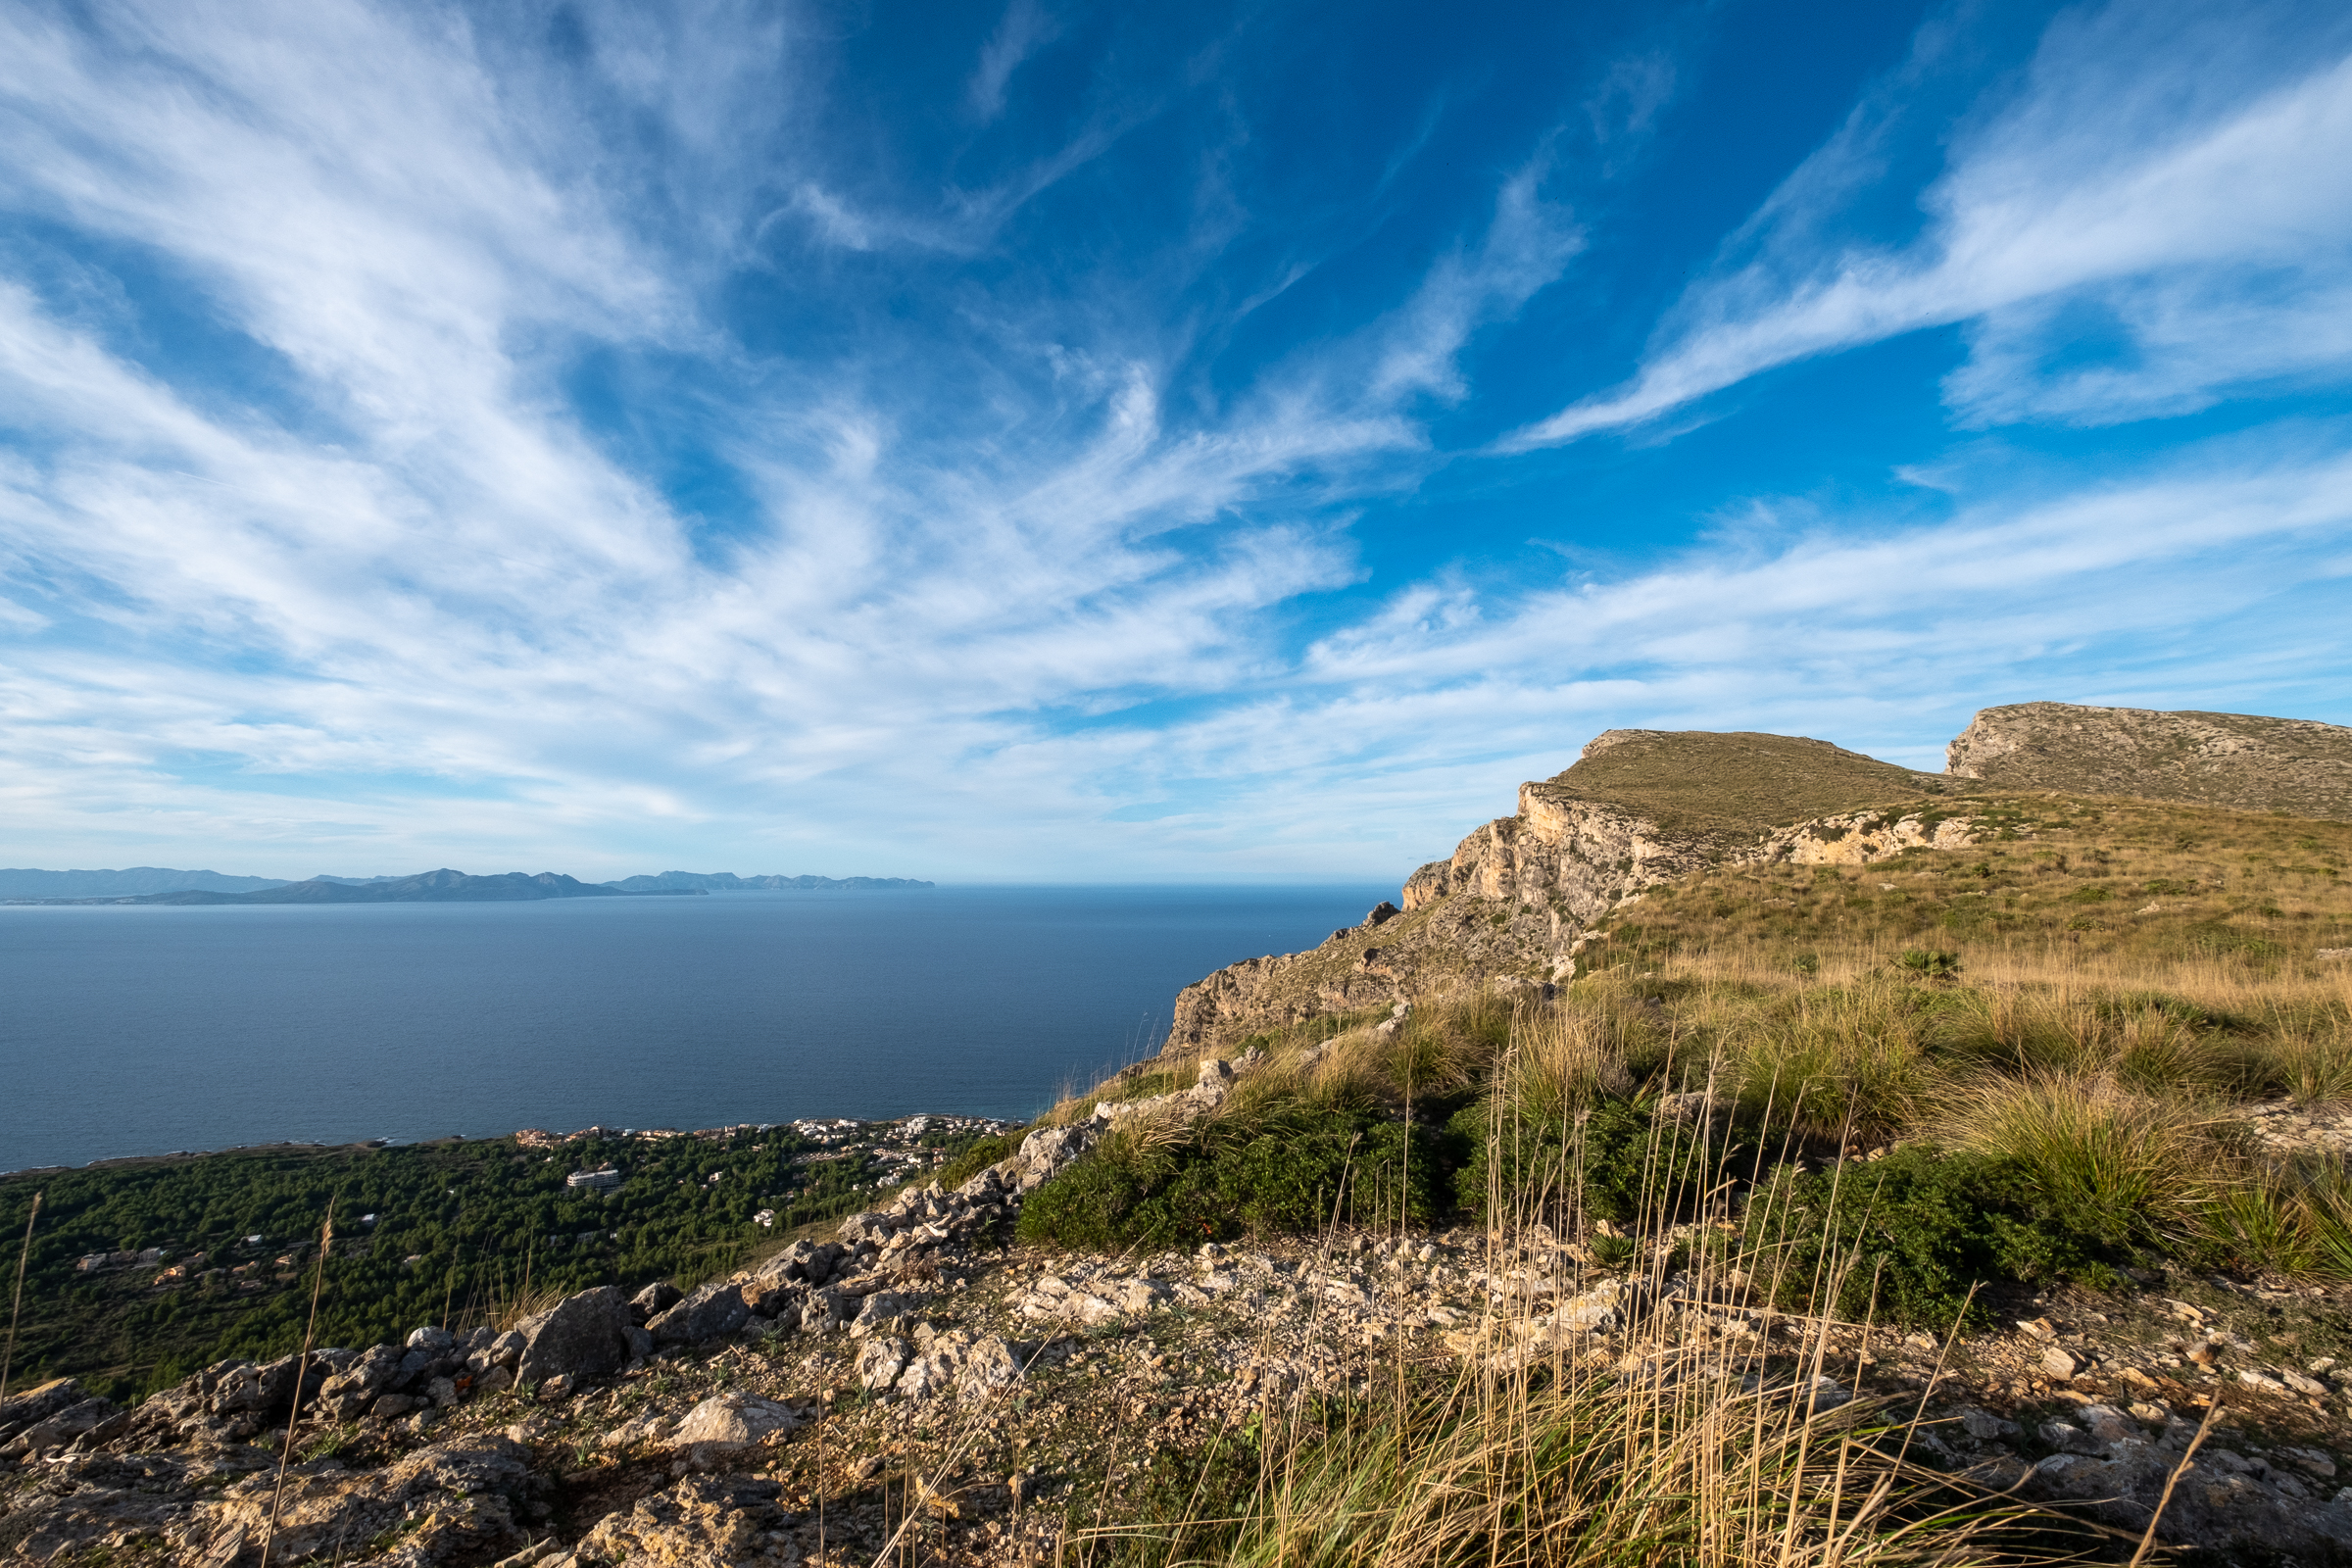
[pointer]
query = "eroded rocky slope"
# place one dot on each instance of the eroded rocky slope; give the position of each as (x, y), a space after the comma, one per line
(2238, 759)
(1641, 808)
(915, 1385)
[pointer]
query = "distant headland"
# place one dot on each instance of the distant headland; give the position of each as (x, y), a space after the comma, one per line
(150, 884)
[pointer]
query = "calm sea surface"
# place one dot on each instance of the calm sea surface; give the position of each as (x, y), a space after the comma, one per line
(141, 1030)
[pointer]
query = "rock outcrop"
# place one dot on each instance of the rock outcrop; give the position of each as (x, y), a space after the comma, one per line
(1640, 808)
(2237, 759)
(738, 1448)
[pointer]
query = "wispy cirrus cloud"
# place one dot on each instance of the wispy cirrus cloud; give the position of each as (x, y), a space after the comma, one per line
(431, 438)
(1024, 29)
(2181, 215)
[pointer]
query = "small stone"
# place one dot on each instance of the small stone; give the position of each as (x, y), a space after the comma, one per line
(1984, 1426)
(727, 1421)
(2056, 1363)
(2067, 1438)
(2311, 1460)
(881, 1361)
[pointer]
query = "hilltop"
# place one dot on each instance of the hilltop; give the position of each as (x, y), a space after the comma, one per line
(1640, 808)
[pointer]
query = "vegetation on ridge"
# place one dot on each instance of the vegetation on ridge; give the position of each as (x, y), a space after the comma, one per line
(1705, 781)
(2045, 1041)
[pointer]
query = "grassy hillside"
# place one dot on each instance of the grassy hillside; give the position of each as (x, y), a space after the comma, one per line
(2064, 1025)
(1908, 1104)
(2064, 891)
(1703, 781)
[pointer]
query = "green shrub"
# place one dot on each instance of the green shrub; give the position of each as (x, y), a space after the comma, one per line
(1918, 1227)
(979, 1155)
(1294, 1168)
(1932, 962)
(1617, 1161)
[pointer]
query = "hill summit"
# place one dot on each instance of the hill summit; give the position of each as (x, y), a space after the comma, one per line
(1517, 899)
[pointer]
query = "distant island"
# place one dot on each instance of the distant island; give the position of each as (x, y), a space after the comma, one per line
(729, 882)
(148, 884)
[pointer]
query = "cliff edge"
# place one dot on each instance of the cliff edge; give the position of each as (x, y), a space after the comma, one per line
(1641, 808)
(1638, 808)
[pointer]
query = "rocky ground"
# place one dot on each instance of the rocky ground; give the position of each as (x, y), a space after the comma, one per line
(918, 1385)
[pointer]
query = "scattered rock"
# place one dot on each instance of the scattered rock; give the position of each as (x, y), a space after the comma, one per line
(727, 1421)
(702, 1519)
(582, 1336)
(715, 1309)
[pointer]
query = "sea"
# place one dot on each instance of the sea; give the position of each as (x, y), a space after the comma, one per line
(131, 1030)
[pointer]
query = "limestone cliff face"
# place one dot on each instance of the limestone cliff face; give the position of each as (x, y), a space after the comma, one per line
(2238, 760)
(1515, 895)
(1573, 857)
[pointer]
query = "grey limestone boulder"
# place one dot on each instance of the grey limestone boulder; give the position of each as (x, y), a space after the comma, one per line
(62, 1427)
(714, 1310)
(871, 1226)
(879, 1310)
(654, 1299)
(727, 1421)
(808, 1261)
(827, 1309)
(39, 1404)
(583, 1336)
(881, 1361)
(1045, 1151)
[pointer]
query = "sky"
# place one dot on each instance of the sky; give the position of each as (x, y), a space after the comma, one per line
(1040, 442)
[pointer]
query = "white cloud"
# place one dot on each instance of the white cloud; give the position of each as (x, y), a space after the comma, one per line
(2128, 184)
(1024, 29)
(1526, 246)
(404, 609)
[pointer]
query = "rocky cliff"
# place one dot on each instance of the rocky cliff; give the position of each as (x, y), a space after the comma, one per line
(2239, 759)
(1639, 807)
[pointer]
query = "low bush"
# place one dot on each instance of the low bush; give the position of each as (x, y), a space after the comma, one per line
(1288, 1169)
(1618, 1159)
(981, 1155)
(1908, 1234)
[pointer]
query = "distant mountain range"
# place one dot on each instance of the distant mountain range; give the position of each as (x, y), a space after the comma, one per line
(149, 884)
(729, 882)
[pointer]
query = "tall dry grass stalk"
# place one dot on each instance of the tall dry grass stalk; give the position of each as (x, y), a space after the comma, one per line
(302, 1372)
(16, 1308)
(1709, 1427)
(1673, 1444)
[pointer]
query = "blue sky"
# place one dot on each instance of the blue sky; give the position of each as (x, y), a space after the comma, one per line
(1045, 442)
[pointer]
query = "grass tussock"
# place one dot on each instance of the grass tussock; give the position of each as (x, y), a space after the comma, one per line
(2075, 1014)
(1823, 1097)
